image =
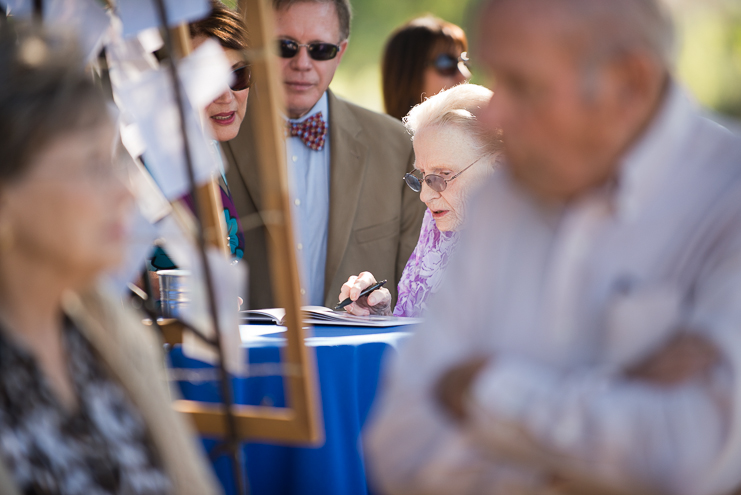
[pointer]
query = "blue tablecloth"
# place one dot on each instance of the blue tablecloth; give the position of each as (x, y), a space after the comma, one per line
(349, 364)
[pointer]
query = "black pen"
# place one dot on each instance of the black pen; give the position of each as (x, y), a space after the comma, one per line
(365, 292)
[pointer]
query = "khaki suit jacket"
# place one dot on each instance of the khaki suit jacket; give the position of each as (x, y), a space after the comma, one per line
(133, 356)
(374, 218)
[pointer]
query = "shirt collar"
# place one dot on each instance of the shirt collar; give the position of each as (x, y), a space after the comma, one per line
(319, 106)
(648, 164)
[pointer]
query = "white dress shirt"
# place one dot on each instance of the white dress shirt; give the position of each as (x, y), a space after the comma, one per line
(308, 172)
(564, 299)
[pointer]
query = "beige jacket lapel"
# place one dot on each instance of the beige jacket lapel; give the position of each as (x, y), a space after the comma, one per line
(244, 155)
(347, 167)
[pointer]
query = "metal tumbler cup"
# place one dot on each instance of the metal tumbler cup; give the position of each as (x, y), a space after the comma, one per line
(174, 294)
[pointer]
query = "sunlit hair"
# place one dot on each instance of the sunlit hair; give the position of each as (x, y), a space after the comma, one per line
(408, 52)
(224, 25)
(600, 29)
(457, 107)
(343, 8)
(44, 93)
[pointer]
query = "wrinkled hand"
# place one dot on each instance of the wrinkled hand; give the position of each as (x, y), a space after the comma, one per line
(453, 386)
(686, 357)
(377, 302)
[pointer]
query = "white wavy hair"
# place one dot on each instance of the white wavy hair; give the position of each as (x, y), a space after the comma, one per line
(457, 106)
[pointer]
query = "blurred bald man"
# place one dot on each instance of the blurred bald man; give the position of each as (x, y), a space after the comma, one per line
(588, 336)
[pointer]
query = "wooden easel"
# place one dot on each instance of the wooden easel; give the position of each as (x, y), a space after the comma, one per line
(300, 422)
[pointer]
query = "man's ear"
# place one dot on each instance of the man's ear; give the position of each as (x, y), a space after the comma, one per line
(637, 75)
(6, 229)
(634, 84)
(343, 47)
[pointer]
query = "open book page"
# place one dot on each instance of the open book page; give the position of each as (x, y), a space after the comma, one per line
(263, 316)
(319, 315)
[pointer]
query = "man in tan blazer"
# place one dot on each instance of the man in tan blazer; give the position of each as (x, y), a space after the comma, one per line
(352, 209)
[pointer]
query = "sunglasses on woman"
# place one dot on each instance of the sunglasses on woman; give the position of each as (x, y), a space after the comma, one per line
(447, 65)
(434, 182)
(241, 78)
(317, 51)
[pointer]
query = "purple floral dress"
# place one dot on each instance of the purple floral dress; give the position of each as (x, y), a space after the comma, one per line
(424, 271)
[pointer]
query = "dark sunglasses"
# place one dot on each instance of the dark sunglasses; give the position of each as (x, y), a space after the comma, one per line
(241, 78)
(434, 182)
(447, 65)
(317, 51)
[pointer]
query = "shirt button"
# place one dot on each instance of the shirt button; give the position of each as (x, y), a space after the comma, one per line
(294, 158)
(297, 202)
(300, 246)
(303, 292)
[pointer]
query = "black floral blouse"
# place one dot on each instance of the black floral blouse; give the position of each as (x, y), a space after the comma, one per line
(101, 448)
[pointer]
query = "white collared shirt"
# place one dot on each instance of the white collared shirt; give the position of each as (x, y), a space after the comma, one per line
(565, 299)
(308, 173)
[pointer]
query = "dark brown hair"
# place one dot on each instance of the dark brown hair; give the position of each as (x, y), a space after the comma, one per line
(344, 12)
(44, 93)
(406, 57)
(223, 24)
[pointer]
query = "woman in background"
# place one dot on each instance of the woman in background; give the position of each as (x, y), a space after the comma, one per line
(84, 406)
(421, 58)
(224, 114)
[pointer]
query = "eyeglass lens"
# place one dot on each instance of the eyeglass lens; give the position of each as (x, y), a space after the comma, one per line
(434, 182)
(241, 78)
(317, 51)
(447, 65)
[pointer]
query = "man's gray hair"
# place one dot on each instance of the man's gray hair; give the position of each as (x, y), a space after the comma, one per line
(603, 28)
(343, 8)
(456, 106)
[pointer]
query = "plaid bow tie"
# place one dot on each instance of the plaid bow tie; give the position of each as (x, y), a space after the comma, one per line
(311, 131)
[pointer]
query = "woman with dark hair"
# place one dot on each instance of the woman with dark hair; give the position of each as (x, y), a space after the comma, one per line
(225, 113)
(421, 58)
(84, 405)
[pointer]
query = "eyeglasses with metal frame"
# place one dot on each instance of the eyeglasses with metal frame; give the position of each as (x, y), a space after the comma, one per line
(318, 51)
(433, 181)
(447, 65)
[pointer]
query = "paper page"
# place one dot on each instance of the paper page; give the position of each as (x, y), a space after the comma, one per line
(129, 58)
(274, 315)
(138, 248)
(319, 315)
(152, 105)
(138, 15)
(86, 18)
(205, 73)
(228, 281)
(149, 199)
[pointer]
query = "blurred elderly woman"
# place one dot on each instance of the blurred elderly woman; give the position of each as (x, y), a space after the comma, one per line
(82, 408)
(453, 156)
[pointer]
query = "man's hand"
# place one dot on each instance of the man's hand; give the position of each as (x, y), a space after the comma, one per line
(453, 386)
(686, 357)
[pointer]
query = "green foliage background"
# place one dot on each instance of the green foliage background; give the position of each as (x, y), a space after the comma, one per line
(709, 56)
(359, 75)
(710, 52)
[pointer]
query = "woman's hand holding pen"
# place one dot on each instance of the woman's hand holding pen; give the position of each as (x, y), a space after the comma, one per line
(377, 302)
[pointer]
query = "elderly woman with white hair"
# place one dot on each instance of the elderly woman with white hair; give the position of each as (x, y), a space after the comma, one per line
(453, 156)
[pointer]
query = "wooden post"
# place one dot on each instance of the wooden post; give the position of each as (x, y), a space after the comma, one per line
(300, 422)
(209, 195)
